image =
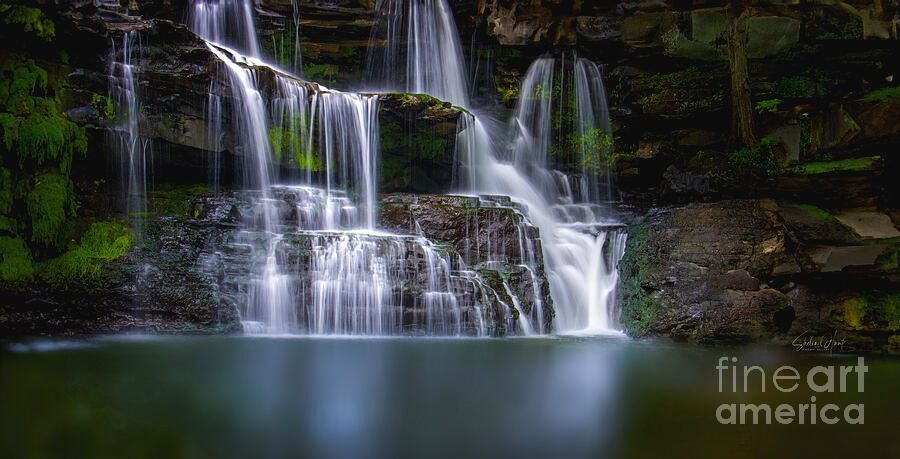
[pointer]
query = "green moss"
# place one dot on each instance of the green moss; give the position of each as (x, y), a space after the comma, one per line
(37, 141)
(883, 94)
(640, 309)
(410, 100)
(50, 204)
(871, 310)
(844, 165)
(289, 148)
(394, 172)
(175, 200)
(815, 212)
(391, 136)
(15, 260)
(421, 143)
(102, 243)
(326, 73)
(350, 53)
(6, 191)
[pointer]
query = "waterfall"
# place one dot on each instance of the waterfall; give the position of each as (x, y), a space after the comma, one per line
(270, 304)
(317, 262)
(135, 152)
(226, 22)
(214, 135)
(432, 57)
(593, 117)
(349, 137)
(581, 248)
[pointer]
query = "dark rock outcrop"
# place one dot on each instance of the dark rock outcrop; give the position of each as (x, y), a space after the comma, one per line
(159, 286)
(489, 234)
(738, 271)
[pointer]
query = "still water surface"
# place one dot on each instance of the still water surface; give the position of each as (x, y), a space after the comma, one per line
(398, 398)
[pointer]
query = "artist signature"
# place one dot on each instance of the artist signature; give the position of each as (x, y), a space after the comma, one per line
(821, 343)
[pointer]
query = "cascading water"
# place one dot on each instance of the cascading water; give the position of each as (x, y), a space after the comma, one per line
(432, 56)
(227, 23)
(580, 250)
(135, 152)
(581, 247)
(269, 305)
(318, 264)
(286, 45)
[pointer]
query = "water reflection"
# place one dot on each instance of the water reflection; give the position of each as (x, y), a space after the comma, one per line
(251, 397)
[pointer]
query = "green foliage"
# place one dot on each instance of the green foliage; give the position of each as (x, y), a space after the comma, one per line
(811, 84)
(596, 145)
(883, 94)
(15, 260)
(105, 107)
(889, 261)
(326, 73)
(50, 204)
(350, 53)
(508, 88)
(640, 309)
(31, 20)
(102, 243)
(881, 310)
(679, 91)
(758, 161)
(38, 144)
(768, 106)
(805, 134)
(6, 191)
(507, 55)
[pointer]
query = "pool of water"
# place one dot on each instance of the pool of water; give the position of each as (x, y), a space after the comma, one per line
(392, 398)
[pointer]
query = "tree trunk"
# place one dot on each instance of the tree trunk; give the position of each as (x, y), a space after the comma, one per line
(742, 126)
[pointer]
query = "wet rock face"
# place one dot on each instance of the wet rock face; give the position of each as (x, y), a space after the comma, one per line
(158, 287)
(195, 263)
(489, 234)
(480, 231)
(737, 271)
(696, 272)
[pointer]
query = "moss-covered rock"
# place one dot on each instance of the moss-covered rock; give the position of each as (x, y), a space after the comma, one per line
(81, 265)
(417, 141)
(16, 265)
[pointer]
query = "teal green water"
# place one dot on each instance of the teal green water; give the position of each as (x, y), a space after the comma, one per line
(397, 398)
